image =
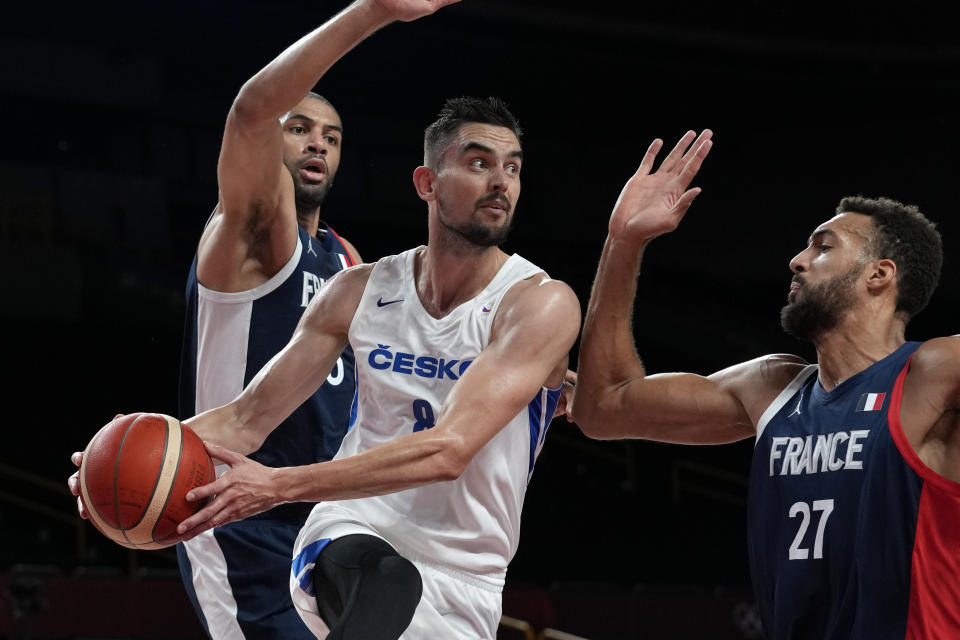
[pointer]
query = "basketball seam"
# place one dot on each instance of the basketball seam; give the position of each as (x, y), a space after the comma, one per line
(156, 481)
(176, 475)
(116, 473)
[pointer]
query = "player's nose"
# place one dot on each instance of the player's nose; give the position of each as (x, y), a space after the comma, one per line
(316, 144)
(798, 263)
(499, 180)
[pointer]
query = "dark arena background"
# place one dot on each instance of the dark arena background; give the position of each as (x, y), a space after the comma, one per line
(112, 115)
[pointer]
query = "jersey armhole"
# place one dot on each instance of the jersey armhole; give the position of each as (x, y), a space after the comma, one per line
(236, 297)
(782, 399)
(903, 445)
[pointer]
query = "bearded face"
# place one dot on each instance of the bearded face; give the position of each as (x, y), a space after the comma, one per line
(474, 231)
(813, 310)
(310, 193)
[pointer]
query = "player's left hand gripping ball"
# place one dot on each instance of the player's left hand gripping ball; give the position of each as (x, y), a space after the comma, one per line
(135, 475)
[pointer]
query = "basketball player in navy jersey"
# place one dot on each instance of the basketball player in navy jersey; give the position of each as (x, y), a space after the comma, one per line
(263, 255)
(854, 501)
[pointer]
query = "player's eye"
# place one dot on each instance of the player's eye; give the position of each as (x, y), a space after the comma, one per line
(298, 129)
(479, 163)
(332, 140)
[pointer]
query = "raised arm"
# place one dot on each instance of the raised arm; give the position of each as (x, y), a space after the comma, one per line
(614, 398)
(532, 336)
(930, 408)
(253, 231)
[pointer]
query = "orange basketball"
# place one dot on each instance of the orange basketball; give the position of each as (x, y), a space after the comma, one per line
(135, 476)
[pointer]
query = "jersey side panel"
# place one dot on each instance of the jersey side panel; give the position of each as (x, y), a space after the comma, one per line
(934, 610)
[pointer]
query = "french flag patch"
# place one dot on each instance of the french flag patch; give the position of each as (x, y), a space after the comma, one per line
(871, 402)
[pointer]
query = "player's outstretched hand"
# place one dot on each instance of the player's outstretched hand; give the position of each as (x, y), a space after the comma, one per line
(409, 10)
(246, 489)
(653, 202)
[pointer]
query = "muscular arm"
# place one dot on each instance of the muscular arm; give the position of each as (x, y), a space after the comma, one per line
(533, 333)
(930, 408)
(253, 232)
(614, 397)
(292, 375)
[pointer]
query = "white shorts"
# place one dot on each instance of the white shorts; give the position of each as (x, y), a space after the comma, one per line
(453, 606)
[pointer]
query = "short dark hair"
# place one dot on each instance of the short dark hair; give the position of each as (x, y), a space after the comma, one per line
(457, 112)
(317, 96)
(910, 239)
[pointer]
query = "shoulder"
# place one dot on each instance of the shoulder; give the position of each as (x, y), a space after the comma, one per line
(775, 370)
(758, 382)
(337, 302)
(346, 285)
(938, 358)
(540, 315)
(540, 298)
(939, 349)
(353, 277)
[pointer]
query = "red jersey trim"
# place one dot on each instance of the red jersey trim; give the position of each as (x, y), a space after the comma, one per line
(350, 261)
(934, 609)
(904, 446)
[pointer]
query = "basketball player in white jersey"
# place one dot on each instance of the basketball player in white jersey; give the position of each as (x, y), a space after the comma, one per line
(461, 352)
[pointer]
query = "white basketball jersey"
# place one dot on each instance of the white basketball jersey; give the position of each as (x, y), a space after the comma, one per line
(407, 363)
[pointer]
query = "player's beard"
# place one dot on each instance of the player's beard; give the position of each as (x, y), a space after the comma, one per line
(818, 308)
(474, 232)
(309, 197)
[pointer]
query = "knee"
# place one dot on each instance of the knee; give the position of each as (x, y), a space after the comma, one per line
(399, 577)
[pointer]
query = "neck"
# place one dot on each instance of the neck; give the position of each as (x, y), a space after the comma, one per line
(855, 344)
(447, 279)
(309, 220)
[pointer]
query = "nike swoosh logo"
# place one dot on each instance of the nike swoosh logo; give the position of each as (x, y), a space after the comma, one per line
(381, 303)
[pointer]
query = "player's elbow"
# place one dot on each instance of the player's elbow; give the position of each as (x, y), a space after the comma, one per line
(451, 460)
(595, 428)
(591, 414)
(249, 107)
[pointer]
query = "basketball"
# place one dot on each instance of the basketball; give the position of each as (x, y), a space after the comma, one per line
(135, 476)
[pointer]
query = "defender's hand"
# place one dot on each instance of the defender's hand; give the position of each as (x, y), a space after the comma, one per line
(653, 203)
(410, 10)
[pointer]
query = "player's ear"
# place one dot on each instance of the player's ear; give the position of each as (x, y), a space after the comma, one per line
(423, 179)
(883, 273)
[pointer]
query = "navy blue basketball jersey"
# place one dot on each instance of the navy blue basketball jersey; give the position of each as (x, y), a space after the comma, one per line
(851, 536)
(229, 337)
(236, 576)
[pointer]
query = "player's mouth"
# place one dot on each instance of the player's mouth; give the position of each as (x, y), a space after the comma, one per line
(313, 170)
(795, 284)
(497, 206)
